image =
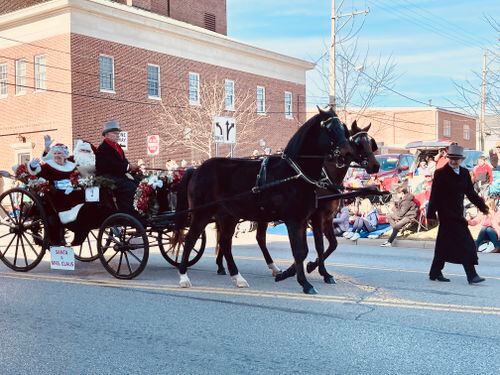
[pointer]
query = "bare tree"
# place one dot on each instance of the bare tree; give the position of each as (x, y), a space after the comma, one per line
(190, 126)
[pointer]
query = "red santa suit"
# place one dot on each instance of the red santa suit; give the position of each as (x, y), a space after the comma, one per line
(67, 201)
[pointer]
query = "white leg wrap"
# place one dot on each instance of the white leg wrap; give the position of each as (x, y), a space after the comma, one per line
(276, 270)
(184, 281)
(240, 281)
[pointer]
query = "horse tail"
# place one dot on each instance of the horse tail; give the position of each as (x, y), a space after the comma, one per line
(182, 205)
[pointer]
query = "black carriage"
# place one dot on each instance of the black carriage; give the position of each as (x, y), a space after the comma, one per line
(121, 242)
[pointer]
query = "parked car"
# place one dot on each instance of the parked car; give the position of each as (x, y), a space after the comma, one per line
(393, 168)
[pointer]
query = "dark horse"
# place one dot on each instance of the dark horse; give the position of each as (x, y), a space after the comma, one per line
(321, 220)
(222, 189)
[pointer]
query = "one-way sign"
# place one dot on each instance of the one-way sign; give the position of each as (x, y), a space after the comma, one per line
(224, 130)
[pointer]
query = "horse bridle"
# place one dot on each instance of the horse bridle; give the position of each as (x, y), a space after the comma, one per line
(355, 139)
(335, 153)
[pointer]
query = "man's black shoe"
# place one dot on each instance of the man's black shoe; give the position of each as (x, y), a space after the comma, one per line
(476, 279)
(439, 278)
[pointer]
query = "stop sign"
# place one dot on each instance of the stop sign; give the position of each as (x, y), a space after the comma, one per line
(153, 145)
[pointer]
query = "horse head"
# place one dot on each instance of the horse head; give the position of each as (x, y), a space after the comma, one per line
(339, 148)
(364, 147)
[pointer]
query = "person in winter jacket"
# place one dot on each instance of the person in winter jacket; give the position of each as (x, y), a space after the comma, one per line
(366, 222)
(404, 212)
(341, 221)
(490, 225)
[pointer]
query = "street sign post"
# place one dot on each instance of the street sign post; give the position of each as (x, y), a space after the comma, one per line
(153, 145)
(224, 130)
(123, 140)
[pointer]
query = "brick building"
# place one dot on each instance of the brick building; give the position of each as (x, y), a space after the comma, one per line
(394, 128)
(69, 66)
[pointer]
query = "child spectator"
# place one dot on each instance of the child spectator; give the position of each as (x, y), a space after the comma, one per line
(341, 221)
(367, 221)
(490, 225)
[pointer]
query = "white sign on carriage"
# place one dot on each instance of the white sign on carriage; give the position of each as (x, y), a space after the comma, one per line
(224, 130)
(123, 140)
(153, 145)
(62, 258)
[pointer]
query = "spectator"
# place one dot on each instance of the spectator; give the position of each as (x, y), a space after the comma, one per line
(490, 225)
(441, 158)
(431, 165)
(422, 168)
(482, 174)
(341, 221)
(142, 167)
(404, 212)
(495, 156)
(367, 221)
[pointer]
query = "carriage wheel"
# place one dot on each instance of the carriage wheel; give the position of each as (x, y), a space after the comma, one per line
(87, 251)
(173, 254)
(23, 230)
(123, 246)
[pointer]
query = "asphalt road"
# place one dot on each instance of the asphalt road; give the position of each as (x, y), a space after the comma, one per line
(382, 317)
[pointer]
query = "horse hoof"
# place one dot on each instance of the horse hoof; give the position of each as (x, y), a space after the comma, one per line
(279, 277)
(311, 266)
(310, 290)
(221, 272)
(275, 270)
(240, 281)
(184, 282)
(277, 273)
(329, 280)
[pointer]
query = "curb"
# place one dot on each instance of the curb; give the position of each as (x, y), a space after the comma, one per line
(415, 244)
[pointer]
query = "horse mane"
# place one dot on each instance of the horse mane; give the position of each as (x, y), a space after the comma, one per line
(295, 144)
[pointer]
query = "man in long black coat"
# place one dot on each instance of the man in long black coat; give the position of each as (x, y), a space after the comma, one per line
(454, 242)
(111, 162)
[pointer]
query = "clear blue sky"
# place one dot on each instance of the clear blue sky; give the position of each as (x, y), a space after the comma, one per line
(432, 42)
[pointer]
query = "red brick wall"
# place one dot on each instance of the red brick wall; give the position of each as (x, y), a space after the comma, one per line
(136, 113)
(193, 12)
(36, 111)
(457, 129)
(7, 6)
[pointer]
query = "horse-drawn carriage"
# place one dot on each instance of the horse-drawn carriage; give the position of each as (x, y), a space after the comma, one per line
(122, 242)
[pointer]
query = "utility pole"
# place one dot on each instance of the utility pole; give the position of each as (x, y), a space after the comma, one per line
(331, 62)
(482, 110)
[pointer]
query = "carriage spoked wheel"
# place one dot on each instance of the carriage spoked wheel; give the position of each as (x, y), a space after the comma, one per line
(23, 230)
(87, 250)
(123, 246)
(173, 253)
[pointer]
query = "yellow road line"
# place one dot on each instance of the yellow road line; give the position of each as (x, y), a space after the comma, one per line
(371, 301)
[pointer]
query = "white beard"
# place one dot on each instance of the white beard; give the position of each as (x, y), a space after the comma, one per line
(85, 162)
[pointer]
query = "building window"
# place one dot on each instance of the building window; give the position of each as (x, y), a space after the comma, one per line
(20, 77)
(194, 88)
(3, 80)
(154, 81)
(210, 21)
(40, 73)
(229, 91)
(466, 132)
(288, 105)
(261, 99)
(107, 73)
(447, 128)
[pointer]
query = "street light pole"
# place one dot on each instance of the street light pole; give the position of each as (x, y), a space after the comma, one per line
(331, 65)
(482, 111)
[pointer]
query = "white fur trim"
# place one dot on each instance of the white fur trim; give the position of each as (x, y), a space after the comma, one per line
(67, 167)
(70, 215)
(239, 281)
(34, 171)
(184, 281)
(276, 270)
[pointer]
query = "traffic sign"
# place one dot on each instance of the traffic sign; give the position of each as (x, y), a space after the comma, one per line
(123, 140)
(153, 145)
(224, 130)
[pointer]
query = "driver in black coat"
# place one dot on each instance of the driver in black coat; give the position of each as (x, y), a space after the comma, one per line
(454, 241)
(111, 163)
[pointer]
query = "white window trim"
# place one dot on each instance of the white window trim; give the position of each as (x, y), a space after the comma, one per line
(22, 87)
(263, 113)
(3, 96)
(35, 72)
(194, 102)
(113, 68)
(446, 123)
(231, 108)
(289, 116)
(159, 83)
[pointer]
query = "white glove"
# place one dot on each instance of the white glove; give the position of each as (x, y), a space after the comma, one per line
(47, 141)
(34, 164)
